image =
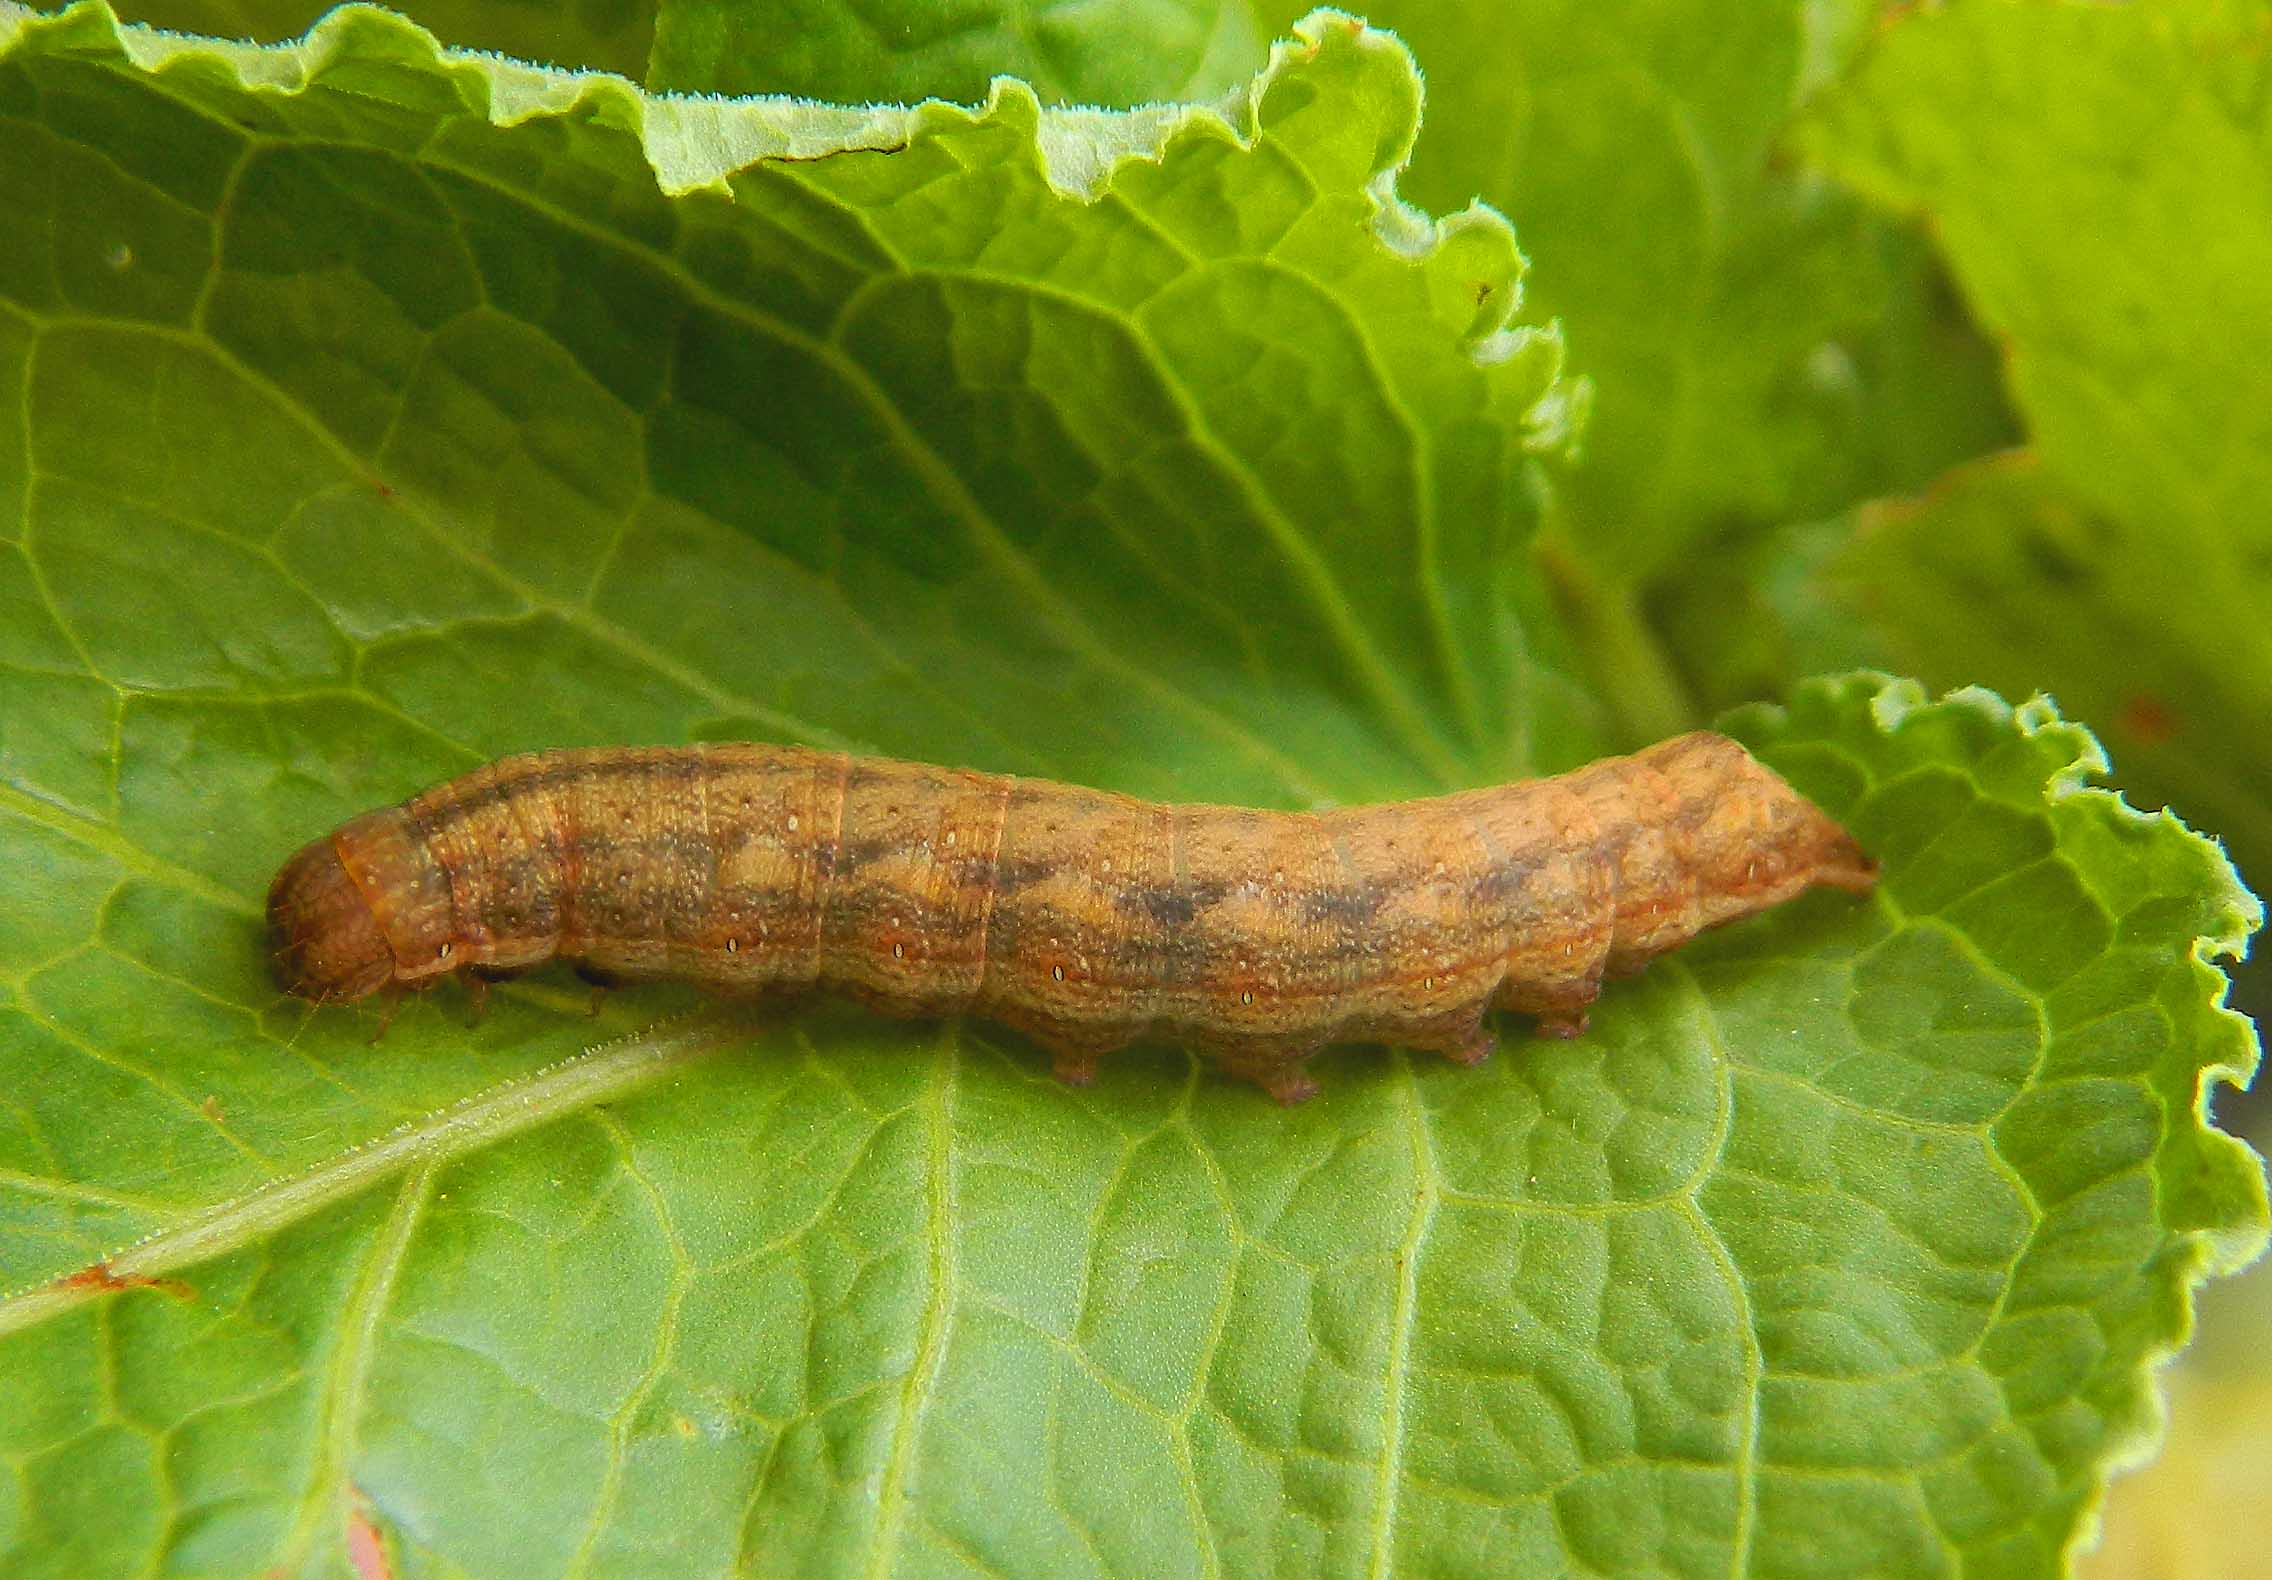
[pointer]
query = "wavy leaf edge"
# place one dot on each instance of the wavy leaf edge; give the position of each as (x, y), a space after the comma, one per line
(2229, 1049)
(696, 142)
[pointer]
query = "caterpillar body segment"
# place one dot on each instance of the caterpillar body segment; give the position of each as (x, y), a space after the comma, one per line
(1082, 918)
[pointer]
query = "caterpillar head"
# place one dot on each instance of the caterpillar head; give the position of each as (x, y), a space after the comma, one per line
(324, 940)
(1757, 842)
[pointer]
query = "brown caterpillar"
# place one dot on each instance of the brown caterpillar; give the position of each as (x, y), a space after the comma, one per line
(1082, 918)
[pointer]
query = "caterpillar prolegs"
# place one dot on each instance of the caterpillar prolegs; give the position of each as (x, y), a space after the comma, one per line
(1082, 918)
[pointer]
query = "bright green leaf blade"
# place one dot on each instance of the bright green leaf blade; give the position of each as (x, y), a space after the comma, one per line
(1729, 309)
(1760, 348)
(586, 35)
(1122, 54)
(1160, 51)
(2030, 973)
(2003, 572)
(1695, 282)
(1749, 610)
(2128, 568)
(472, 439)
(1128, 468)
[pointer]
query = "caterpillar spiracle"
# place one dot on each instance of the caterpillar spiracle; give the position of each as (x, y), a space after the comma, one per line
(1082, 918)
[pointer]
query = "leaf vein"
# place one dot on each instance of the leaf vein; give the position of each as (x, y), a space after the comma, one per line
(931, 1332)
(504, 1110)
(1426, 1194)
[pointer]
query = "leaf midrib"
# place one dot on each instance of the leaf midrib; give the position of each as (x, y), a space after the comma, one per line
(597, 1075)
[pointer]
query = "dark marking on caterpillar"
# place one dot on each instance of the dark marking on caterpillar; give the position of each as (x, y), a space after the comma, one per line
(1171, 907)
(1082, 918)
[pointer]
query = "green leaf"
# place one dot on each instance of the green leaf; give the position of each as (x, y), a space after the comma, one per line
(1761, 348)
(2124, 562)
(1765, 347)
(1750, 608)
(2004, 572)
(886, 50)
(1122, 54)
(1725, 305)
(591, 35)
(382, 410)
(902, 50)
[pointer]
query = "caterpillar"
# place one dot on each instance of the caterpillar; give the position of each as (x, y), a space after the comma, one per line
(1082, 918)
